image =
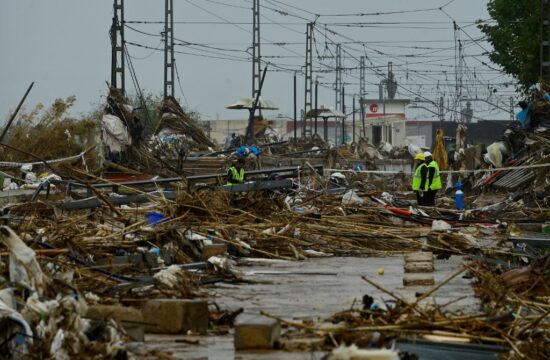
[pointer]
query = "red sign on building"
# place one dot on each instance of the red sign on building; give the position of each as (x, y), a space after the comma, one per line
(373, 108)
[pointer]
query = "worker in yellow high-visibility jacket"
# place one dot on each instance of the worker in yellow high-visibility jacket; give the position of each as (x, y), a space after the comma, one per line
(430, 183)
(420, 168)
(235, 174)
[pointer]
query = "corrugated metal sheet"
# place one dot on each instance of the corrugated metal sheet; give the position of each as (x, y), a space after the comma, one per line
(514, 179)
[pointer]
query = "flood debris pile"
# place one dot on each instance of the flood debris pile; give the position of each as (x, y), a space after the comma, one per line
(43, 315)
(94, 277)
(102, 262)
(295, 225)
(525, 148)
(121, 127)
(527, 153)
(511, 321)
(138, 140)
(177, 128)
(66, 265)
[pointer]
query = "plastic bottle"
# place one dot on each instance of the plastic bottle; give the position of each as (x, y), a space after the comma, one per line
(459, 196)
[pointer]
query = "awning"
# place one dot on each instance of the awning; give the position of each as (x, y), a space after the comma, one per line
(325, 113)
(247, 103)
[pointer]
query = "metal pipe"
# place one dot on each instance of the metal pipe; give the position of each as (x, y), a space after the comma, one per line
(15, 112)
(250, 136)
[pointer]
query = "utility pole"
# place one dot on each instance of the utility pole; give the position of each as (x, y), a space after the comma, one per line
(308, 94)
(295, 110)
(441, 111)
(544, 72)
(364, 127)
(353, 120)
(338, 82)
(459, 66)
(256, 58)
(362, 92)
(316, 102)
(362, 88)
(117, 47)
(344, 118)
(168, 48)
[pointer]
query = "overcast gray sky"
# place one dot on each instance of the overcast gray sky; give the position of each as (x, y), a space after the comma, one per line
(64, 46)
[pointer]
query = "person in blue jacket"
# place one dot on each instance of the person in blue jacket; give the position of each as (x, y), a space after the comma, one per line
(524, 116)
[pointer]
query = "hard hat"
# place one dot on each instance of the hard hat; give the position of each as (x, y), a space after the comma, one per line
(427, 154)
(419, 156)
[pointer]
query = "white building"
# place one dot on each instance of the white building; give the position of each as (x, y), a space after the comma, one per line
(385, 121)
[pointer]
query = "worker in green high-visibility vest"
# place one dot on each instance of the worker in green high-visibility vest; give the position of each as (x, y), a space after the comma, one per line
(430, 183)
(419, 170)
(235, 174)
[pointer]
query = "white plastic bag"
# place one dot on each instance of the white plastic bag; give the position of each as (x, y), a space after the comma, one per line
(351, 198)
(24, 267)
(440, 225)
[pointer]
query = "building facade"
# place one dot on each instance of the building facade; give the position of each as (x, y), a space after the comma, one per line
(385, 121)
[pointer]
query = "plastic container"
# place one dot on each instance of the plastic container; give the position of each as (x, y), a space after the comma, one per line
(459, 196)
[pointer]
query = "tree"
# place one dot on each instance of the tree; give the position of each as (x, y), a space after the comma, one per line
(515, 36)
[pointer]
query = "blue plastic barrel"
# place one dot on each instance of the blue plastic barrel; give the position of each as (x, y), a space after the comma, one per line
(459, 196)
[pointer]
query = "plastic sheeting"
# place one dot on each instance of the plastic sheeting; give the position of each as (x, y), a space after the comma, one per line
(18, 345)
(352, 352)
(495, 153)
(351, 198)
(115, 133)
(414, 149)
(24, 267)
(169, 276)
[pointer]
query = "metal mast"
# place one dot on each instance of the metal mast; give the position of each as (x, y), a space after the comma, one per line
(308, 93)
(459, 65)
(544, 72)
(256, 58)
(117, 46)
(362, 92)
(338, 82)
(169, 48)
(362, 88)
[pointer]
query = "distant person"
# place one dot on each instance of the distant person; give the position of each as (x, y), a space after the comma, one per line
(235, 141)
(235, 174)
(251, 154)
(420, 170)
(524, 116)
(431, 182)
(248, 151)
